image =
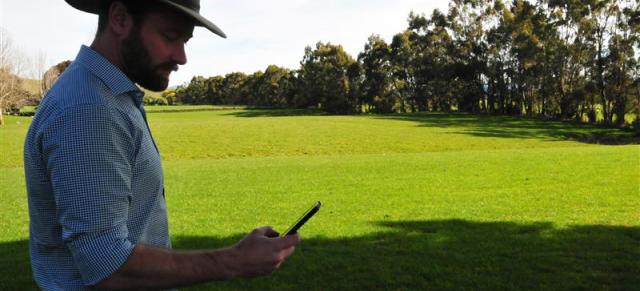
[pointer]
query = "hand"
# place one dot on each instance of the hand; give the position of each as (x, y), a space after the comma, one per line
(262, 252)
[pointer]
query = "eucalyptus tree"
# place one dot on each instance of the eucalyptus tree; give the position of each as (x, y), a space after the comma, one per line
(622, 62)
(232, 88)
(377, 85)
(570, 59)
(249, 89)
(325, 78)
(403, 72)
(274, 85)
(468, 22)
(598, 25)
(634, 21)
(500, 60)
(430, 74)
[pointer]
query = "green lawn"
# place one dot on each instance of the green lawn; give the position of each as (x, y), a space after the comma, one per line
(188, 108)
(413, 201)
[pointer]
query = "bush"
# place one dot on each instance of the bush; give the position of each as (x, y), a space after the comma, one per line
(151, 100)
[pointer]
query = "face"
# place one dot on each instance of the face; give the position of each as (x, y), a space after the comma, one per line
(155, 48)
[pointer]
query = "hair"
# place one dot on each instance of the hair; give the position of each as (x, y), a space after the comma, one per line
(137, 8)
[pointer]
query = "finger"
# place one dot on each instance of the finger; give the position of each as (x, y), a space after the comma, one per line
(262, 230)
(272, 233)
(288, 252)
(289, 241)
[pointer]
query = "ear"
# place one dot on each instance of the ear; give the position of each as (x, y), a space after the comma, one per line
(120, 21)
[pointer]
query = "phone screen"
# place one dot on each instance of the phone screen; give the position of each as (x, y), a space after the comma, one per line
(294, 228)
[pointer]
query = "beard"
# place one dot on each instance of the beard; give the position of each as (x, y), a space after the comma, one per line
(139, 66)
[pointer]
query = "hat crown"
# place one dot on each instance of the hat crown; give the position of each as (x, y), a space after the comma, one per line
(190, 7)
(191, 4)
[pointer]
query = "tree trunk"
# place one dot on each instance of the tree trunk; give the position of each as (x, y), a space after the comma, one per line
(620, 111)
(1, 117)
(492, 97)
(636, 123)
(581, 107)
(600, 79)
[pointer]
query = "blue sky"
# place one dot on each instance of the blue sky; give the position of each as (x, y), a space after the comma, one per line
(259, 32)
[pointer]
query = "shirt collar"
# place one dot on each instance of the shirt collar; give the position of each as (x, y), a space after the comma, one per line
(111, 75)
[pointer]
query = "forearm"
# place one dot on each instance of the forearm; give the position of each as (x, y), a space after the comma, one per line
(156, 268)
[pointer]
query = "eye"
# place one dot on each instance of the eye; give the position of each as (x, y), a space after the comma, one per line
(170, 36)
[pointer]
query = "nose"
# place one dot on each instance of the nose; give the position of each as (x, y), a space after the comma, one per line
(179, 55)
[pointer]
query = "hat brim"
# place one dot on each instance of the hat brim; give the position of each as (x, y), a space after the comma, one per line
(93, 6)
(199, 19)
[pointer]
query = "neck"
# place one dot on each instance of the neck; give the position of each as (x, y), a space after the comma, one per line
(110, 49)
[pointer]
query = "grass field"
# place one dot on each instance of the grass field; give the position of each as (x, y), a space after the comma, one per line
(410, 202)
(163, 108)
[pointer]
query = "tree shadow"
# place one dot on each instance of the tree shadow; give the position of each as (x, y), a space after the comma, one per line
(454, 254)
(520, 127)
(485, 125)
(430, 255)
(15, 266)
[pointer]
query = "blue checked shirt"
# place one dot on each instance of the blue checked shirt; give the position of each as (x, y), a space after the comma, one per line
(94, 178)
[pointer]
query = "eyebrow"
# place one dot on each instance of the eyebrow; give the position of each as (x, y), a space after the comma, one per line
(183, 29)
(180, 32)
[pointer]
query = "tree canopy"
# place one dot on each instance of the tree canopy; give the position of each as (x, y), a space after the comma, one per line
(557, 59)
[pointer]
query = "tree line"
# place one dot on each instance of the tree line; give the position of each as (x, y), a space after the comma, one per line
(557, 59)
(14, 63)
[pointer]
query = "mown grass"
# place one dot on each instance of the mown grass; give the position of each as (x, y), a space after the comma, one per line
(423, 201)
(160, 108)
(188, 108)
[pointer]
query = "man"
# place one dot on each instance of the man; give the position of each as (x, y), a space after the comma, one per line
(97, 211)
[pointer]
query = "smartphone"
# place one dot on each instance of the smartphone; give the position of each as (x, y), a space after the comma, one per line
(294, 228)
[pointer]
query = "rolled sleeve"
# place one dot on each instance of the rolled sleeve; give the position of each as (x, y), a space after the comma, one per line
(98, 255)
(89, 152)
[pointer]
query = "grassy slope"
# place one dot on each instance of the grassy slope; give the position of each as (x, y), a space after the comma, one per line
(410, 201)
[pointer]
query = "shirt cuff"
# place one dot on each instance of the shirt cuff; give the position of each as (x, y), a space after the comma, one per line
(98, 255)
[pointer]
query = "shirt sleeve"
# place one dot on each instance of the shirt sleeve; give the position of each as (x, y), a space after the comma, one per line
(89, 151)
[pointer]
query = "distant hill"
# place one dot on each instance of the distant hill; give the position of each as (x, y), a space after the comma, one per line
(33, 87)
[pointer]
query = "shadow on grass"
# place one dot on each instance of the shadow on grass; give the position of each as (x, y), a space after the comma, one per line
(455, 254)
(15, 266)
(427, 255)
(275, 112)
(485, 125)
(519, 127)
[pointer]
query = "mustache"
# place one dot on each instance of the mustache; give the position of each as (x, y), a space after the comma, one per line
(167, 66)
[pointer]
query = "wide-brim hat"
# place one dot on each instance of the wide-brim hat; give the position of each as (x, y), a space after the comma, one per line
(189, 7)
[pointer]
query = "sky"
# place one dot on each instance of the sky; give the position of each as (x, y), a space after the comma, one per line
(259, 33)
